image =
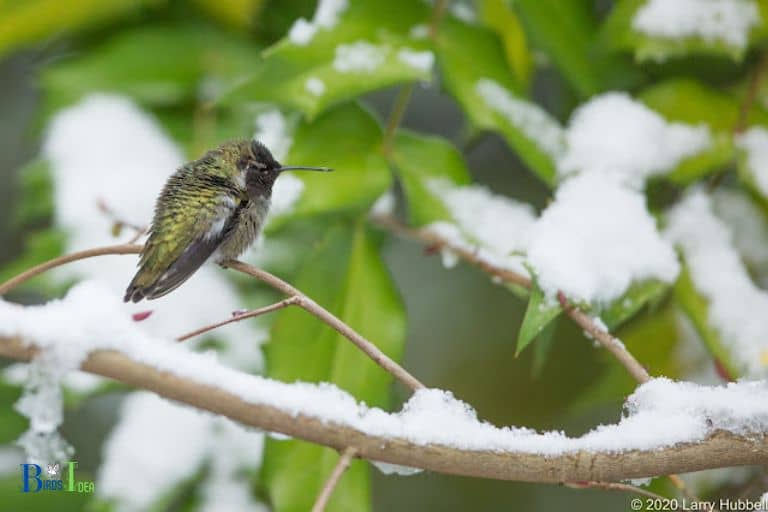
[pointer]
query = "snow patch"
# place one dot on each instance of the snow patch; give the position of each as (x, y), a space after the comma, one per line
(596, 239)
(315, 86)
(358, 57)
(614, 134)
(327, 16)
(726, 21)
(736, 305)
(530, 119)
(421, 61)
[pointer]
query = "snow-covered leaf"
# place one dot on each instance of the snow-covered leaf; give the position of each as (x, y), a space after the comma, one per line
(345, 273)
(349, 48)
(696, 307)
(476, 73)
(663, 29)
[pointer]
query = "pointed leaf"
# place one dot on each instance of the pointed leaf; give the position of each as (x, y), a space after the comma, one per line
(538, 315)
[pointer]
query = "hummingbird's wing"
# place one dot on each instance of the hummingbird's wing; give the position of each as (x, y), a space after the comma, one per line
(191, 220)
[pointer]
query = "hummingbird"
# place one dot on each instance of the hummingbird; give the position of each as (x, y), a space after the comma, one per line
(210, 208)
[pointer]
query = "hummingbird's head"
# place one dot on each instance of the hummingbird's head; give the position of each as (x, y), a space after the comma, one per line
(261, 168)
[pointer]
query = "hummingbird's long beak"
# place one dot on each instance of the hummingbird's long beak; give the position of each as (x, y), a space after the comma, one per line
(302, 168)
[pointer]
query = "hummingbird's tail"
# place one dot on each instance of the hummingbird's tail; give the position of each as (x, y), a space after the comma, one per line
(148, 283)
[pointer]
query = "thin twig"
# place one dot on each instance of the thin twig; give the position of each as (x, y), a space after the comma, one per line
(613, 345)
(63, 260)
(241, 316)
(325, 493)
(751, 95)
(614, 486)
(115, 218)
(395, 117)
(329, 318)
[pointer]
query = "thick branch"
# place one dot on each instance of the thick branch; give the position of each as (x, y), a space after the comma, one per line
(721, 449)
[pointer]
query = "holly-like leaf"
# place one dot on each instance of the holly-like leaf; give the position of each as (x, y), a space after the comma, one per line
(370, 48)
(345, 274)
(420, 158)
(621, 31)
(539, 313)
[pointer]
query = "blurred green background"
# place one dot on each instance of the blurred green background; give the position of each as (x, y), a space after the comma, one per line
(461, 328)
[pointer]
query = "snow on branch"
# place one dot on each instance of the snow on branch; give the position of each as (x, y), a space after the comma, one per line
(668, 426)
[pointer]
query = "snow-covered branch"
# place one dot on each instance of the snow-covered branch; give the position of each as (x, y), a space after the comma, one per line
(641, 445)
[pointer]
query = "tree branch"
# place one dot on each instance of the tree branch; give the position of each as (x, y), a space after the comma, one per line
(294, 299)
(720, 449)
(427, 237)
(325, 493)
(329, 318)
(275, 282)
(63, 260)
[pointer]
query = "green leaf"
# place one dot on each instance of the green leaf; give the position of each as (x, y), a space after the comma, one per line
(692, 102)
(187, 61)
(311, 77)
(345, 274)
(543, 348)
(31, 21)
(346, 139)
(498, 16)
(567, 32)
(628, 305)
(619, 32)
(539, 313)
(420, 158)
(696, 307)
(475, 72)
